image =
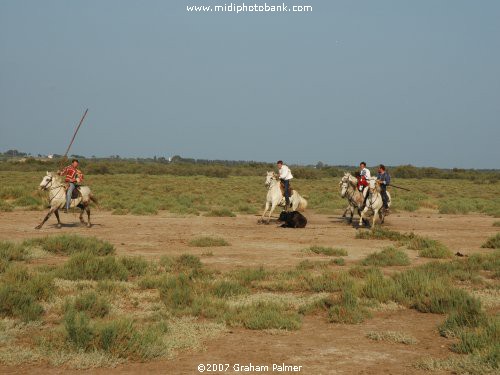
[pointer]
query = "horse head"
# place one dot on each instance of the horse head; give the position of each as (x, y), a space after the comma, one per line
(269, 178)
(372, 184)
(46, 181)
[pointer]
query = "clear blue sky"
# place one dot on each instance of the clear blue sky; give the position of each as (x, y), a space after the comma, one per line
(383, 81)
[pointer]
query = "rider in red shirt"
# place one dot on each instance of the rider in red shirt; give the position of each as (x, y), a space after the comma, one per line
(73, 176)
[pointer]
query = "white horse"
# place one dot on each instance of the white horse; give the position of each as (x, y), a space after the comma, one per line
(57, 198)
(276, 198)
(349, 191)
(374, 203)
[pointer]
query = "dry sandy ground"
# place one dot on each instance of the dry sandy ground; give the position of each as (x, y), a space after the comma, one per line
(320, 347)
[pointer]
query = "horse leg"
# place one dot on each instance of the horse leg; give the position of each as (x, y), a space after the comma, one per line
(87, 208)
(81, 216)
(381, 216)
(59, 224)
(348, 208)
(351, 209)
(375, 214)
(39, 226)
(273, 206)
(264, 213)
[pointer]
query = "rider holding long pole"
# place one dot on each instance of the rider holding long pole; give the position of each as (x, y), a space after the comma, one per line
(73, 177)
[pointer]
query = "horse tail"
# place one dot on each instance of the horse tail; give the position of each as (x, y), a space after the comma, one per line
(302, 204)
(94, 199)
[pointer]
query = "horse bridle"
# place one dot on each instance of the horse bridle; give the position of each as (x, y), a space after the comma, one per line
(45, 187)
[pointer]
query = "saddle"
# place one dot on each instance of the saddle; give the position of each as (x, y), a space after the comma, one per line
(76, 192)
(282, 187)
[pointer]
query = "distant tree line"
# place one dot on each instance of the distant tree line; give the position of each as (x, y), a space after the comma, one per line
(178, 166)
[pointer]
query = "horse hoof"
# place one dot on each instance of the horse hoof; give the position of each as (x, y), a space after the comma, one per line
(59, 226)
(89, 225)
(38, 227)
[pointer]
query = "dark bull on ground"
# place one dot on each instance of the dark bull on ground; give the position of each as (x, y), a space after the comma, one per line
(293, 219)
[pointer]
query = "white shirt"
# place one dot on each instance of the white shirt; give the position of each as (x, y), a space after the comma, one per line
(285, 173)
(366, 172)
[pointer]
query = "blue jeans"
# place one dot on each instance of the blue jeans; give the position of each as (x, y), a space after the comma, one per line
(287, 186)
(71, 187)
(383, 192)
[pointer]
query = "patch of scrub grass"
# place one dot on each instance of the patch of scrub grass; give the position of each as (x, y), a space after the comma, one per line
(389, 256)
(380, 233)
(94, 305)
(227, 288)
(135, 265)
(207, 254)
(392, 336)
(221, 212)
(11, 251)
(428, 248)
(326, 251)
(496, 224)
(15, 302)
(265, 315)
(246, 276)
(187, 262)
(376, 286)
(463, 365)
(438, 252)
(347, 309)
(492, 242)
(68, 244)
(87, 266)
(476, 340)
(207, 241)
(339, 261)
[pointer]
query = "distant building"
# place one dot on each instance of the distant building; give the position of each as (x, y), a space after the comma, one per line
(50, 156)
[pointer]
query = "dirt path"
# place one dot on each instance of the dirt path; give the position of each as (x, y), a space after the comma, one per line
(251, 244)
(320, 347)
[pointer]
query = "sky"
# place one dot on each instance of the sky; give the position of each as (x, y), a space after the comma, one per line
(393, 82)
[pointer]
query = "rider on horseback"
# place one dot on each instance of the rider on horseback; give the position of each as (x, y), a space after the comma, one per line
(384, 180)
(363, 177)
(285, 177)
(73, 176)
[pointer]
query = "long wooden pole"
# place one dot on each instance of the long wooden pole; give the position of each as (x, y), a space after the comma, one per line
(74, 134)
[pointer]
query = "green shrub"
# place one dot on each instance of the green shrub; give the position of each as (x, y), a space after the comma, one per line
(248, 275)
(379, 233)
(492, 242)
(466, 312)
(347, 310)
(187, 262)
(92, 304)
(339, 261)
(15, 302)
(428, 248)
(439, 252)
(327, 251)
(208, 241)
(177, 292)
(87, 266)
(389, 256)
(68, 244)
(136, 265)
(381, 288)
(266, 315)
(11, 251)
(78, 330)
(225, 289)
